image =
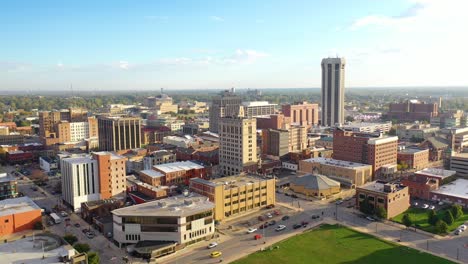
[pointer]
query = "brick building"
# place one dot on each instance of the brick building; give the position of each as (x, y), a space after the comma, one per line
(415, 158)
(423, 182)
(112, 172)
(180, 172)
(394, 198)
(302, 113)
(368, 148)
(100, 208)
(413, 110)
(18, 214)
(276, 121)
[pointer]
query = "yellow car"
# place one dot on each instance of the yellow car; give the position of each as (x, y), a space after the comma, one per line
(215, 254)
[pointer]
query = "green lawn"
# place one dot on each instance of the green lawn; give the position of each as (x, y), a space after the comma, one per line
(337, 244)
(420, 217)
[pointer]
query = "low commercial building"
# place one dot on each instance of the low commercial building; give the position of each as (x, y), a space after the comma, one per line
(459, 163)
(394, 198)
(164, 223)
(18, 214)
(141, 192)
(369, 127)
(423, 182)
(454, 192)
(236, 195)
(152, 177)
(8, 186)
(314, 185)
(415, 158)
(180, 172)
(100, 208)
(48, 163)
(348, 173)
(158, 157)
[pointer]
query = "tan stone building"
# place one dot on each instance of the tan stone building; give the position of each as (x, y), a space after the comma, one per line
(393, 197)
(315, 185)
(236, 195)
(237, 145)
(348, 173)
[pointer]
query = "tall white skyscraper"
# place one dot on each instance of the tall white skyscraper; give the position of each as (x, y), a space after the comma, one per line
(333, 77)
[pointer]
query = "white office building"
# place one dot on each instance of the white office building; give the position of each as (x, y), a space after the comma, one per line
(174, 220)
(80, 181)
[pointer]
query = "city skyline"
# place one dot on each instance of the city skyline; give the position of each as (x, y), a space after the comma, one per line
(183, 45)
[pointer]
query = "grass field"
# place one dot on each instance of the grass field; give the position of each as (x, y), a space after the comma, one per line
(420, 217)
(337, 244)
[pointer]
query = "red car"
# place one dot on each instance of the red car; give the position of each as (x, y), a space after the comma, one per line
(276, 212)
(270, 206)
(264, 225)
(261, 218)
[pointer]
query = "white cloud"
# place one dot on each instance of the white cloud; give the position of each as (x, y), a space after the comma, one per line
(246, 56)
(124, 65)
(217, 18)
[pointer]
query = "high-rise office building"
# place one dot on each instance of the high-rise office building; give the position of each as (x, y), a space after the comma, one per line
(227, 104)
(119, 133)
(333, 77)
(302, 113)
(237, 145)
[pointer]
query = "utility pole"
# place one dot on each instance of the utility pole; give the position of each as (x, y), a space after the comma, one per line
(427, 245)
(336, 212)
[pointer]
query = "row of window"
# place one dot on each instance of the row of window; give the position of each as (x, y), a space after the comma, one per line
(132, 237)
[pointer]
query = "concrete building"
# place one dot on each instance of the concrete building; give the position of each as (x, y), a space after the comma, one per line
(415, 158)
(368, 148)
(48, 164)
(54, 126)
(226, 104)
(451, 118)
(18, 214)
(412, 110)
(348, 173)
(80, 181)
(258, 108)
(237, 145)
(368, 127)
(314, 185)
(180, 172)
(181, 142)
(415, 132)
(302, 114)
(333, 80)
(395, 199)
(11, 139)
(158, 157)
(236, 195)
(119, 133)
(178, 220)
(459, 163)
(453, 193)
(8, 186)
(162, 104)
(112, 172)
(281, 142)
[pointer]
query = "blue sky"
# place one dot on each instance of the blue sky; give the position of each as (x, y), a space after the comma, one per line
(218, 44)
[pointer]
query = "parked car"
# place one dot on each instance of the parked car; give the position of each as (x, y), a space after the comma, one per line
(270, 206)
(212, 245)
(425, 206)
(462, 227)
(285, 218)
(257, 236)
(63, 214)
(293, 196)
(339, 202)
(315, 216)
(457, 232)
(89, 235)
(272, 222)
(269, 215)
(276, 212)
(370, 218)
(415, 204)
(261, 218)
(77, 225)
(251, 230)
(304, 223)
(264, 225)
(287, 194)
(280, 227)
(296, 226)
(432, 207)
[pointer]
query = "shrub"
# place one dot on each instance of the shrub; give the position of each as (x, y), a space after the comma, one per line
(448, 217)
(407, 221)
(82, 247)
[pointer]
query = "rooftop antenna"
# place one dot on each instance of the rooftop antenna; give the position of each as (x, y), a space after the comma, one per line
(162, 91)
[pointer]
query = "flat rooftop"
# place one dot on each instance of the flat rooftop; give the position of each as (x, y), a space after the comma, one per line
(411, 150)
(435, 172)
(366, 124)
(4, 177)
(78, 160)
(457, 188)
(17, 205)
(256, 103)
(152, 173)
(177, 166)
(338, 163)
(113, 155)
(173, 206)
(26, 251)
(460, 155)
(231, 181)
(378, 186)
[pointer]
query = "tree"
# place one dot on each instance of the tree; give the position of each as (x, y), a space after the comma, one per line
(38, 225)
(82, 247)
(366, 207)
(93, 258)
(392, 132)
(71, 239)
(432, 218)
(457, 211)
(441, 227)
(349, 119)
(407, 221)
(381, 212)
(448, 217)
